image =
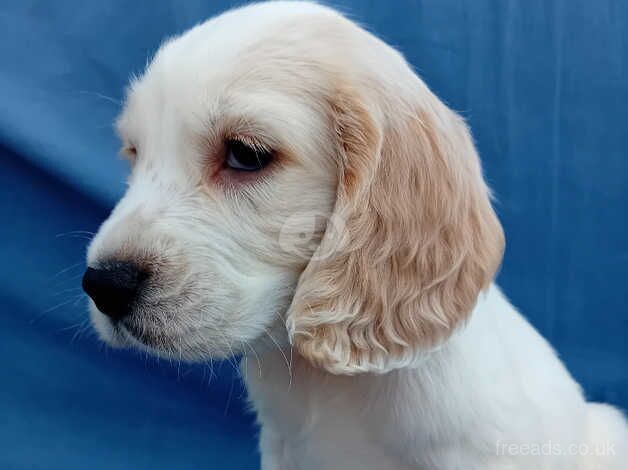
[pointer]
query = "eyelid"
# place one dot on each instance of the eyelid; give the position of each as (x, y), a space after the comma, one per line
(250, 141)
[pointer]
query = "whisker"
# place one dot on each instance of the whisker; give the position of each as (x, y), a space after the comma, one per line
(86, 326)
(72, 326)
(75, 232)
(65, 291)
(259, 364)
(74, 298)
(101, 96)
(229, 398)
(211, 370)
(65, 270)
(288, 364)
(231, 358)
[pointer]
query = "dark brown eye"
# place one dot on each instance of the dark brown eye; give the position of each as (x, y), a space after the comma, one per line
(243, 157)
(129, 151)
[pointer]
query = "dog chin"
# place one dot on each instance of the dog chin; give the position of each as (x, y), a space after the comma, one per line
(119, 336)
(116, 336)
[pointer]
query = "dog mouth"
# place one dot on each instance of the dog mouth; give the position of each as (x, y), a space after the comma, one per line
(134, 334)
(180, 344)
(143, 337)
(193, 331)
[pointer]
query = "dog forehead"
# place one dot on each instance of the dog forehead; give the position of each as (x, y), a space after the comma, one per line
(252, 65)
(223, 50)
(247, 50)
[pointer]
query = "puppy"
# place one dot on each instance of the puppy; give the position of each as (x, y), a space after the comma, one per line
(298, 196)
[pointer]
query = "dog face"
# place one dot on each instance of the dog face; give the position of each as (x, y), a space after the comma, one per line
(292, 180)
(218, 237)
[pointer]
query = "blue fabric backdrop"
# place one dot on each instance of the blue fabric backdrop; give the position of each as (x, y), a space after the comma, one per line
(542, 83)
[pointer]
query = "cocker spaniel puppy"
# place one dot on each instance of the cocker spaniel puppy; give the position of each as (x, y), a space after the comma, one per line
(298, 196)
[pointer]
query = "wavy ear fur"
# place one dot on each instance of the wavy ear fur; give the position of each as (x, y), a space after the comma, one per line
(421, 237)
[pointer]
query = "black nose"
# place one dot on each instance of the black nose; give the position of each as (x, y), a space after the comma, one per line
(113, 287)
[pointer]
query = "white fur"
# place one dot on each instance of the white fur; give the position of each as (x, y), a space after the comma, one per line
(226, 262)
(494, 391)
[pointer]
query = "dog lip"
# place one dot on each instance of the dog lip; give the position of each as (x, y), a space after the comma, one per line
(130, 338)
(128, 331)
(142, 338)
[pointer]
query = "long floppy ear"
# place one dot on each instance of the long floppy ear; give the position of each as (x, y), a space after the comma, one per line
(421, 238)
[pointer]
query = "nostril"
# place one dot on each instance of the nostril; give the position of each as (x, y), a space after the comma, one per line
(113, 287)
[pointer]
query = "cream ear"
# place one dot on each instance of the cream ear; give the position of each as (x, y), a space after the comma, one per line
(422, 239)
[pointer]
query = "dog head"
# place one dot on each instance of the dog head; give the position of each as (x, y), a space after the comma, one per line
(292, 181)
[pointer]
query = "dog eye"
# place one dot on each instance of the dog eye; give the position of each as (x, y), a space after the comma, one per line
(243, 157)
(129, 151)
